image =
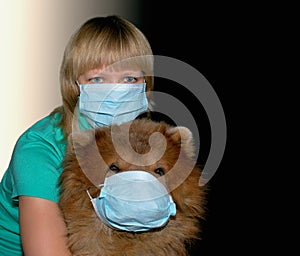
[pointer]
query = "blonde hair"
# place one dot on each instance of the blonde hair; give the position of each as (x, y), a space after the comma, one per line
(101, 42)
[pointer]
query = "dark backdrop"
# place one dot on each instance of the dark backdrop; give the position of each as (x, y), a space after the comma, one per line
(242, 49)
(205, 37)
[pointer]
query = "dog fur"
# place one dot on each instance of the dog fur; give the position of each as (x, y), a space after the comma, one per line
(87, 234)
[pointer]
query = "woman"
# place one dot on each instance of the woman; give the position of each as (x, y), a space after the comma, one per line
(107, 54)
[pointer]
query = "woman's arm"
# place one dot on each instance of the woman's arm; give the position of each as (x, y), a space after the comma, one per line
(43, 230)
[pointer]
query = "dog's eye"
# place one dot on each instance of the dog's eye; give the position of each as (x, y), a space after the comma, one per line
(159, 171)
(114, 168)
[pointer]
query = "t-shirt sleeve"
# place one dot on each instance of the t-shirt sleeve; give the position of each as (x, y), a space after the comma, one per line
(36, 167)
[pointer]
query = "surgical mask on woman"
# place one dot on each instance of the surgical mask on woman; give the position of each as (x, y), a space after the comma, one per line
(112, 103)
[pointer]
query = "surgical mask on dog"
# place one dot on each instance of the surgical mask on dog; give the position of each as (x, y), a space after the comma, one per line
(106, 104)
(134, 201)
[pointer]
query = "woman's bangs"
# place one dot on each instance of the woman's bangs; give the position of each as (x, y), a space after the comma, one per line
(118, 53)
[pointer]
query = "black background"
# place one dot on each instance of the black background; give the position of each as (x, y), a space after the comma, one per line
(209, 38)
(245, 50)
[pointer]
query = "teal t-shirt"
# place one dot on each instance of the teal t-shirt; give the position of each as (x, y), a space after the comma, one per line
(34, 169)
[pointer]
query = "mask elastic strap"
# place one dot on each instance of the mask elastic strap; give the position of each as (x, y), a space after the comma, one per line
(87, 191)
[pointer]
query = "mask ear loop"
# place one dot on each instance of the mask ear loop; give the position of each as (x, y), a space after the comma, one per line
(87, 191)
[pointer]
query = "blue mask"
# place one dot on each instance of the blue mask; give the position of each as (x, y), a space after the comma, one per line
(106, 104)
(133, 201)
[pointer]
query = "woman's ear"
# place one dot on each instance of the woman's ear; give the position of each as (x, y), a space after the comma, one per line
(183, 135)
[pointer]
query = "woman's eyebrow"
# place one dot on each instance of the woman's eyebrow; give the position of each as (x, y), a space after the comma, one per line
(95, 72)
(133, 73)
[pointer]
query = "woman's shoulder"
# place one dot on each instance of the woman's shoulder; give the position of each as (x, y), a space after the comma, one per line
(46, 123)
(45, 130)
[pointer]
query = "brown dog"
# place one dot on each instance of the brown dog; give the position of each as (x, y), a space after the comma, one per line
(106, 151)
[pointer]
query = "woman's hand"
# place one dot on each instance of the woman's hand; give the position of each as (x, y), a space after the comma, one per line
(43, 230)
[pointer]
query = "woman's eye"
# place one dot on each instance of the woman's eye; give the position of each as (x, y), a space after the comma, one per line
(96, 80)
(159, 171)
(130, 79)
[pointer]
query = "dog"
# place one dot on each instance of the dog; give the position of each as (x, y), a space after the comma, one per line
(91, 155)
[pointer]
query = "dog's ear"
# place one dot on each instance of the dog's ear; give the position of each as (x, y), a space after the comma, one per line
(78, 143)
(83, 145)
(183, 135)
(82, 138)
